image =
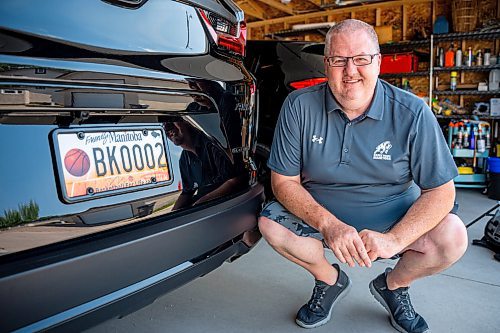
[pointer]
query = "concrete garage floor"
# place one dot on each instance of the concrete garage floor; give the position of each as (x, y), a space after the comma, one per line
(261, 292)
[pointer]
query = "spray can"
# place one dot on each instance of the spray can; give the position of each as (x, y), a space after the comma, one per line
(469, 57)
(472, 144)
(453, 80)
(488, 137)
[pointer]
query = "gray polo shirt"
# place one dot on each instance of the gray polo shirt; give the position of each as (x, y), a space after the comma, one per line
(367, 171)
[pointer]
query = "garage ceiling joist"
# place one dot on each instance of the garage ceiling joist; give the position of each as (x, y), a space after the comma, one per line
(279, 6)
(252, 8)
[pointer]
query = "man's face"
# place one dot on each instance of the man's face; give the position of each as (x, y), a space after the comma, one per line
(175, 133)
(353, 86)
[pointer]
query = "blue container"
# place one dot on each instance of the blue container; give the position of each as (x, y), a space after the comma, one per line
(494, 164)
(441, 25)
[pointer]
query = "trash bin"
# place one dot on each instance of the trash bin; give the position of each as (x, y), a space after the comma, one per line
(494, 175)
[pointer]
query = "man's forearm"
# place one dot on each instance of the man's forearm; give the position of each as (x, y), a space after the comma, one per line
(425, 214)
(299, 202)
(182, 201)
(224, 189)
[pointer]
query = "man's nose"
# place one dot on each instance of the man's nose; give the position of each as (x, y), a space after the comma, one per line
(350, 67)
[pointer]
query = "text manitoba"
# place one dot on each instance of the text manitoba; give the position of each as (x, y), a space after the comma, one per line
(112, 137)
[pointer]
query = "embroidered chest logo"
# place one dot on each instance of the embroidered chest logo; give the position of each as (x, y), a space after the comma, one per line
(382, 150)
(319, 140)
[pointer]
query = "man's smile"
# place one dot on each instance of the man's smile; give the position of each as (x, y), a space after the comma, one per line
(351, 81)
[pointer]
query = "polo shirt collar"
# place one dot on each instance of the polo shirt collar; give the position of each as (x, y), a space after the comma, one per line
(375, 110)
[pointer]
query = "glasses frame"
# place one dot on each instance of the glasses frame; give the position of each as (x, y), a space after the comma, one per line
(327, 59)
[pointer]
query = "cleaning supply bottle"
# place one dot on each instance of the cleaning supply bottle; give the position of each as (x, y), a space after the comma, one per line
(451, 126)
(494, 79)
(472, 143)
(481, 143)
(487, 55)
(460, 137)
(479, 58)
(458, 57)
(487, 137)
(449, 57)
(466, 136)
(469, 57)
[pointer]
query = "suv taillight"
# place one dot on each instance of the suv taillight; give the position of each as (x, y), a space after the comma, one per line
(224, 33)
(308, 82)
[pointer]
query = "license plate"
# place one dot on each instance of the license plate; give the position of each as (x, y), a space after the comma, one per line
(101, 162)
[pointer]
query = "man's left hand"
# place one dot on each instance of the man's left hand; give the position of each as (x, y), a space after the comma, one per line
(379, 245)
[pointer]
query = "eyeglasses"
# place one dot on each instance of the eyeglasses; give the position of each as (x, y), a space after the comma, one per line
(358, 60)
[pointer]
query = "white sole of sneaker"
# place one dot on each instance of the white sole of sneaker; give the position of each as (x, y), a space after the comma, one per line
(327, 319)
(381, 300)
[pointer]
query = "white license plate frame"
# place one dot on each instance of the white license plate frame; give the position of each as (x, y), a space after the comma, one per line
(103, 161)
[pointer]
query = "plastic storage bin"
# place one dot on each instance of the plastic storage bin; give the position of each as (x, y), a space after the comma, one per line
(399, 63)
(494, 164)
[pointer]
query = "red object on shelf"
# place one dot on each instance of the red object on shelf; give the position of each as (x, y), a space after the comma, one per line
(399, 63)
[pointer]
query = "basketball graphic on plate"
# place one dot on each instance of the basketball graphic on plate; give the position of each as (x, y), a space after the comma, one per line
(77, 162)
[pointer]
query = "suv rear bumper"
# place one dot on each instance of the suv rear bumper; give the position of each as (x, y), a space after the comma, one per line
(65, 287)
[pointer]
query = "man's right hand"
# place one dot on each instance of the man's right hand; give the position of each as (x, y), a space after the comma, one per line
(346, 244)
(343, 239)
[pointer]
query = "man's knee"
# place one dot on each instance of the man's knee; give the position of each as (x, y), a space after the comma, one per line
(272, 231)
(450, 238)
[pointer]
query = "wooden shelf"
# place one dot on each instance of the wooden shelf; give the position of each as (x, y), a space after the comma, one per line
(477, 180)
(469, 153)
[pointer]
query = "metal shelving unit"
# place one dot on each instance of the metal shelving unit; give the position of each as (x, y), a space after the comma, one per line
(476, 35)
(473, 35)
(429, 44)
(467, 116)
(469, 92)
(476, 180)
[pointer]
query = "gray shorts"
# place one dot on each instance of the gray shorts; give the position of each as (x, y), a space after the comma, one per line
(279, 214)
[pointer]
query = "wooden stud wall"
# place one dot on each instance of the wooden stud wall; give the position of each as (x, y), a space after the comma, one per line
(409, 18)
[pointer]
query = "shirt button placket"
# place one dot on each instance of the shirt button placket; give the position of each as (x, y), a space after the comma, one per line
(347, 143)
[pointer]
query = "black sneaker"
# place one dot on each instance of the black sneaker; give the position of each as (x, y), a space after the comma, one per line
(318, 310)
(397, 303)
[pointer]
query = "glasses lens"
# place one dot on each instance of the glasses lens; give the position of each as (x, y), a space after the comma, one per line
(337, 61)
(362, 60)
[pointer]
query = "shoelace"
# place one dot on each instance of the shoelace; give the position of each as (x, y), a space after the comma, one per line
(404, 299)
(316, 298)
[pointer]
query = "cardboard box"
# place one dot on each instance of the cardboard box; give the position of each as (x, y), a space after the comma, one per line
(495, 106)
(384, 33)
(399, 63)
